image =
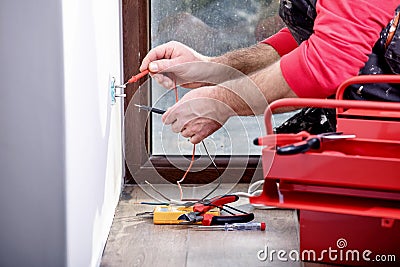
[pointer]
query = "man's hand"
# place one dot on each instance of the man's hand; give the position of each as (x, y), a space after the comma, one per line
(198, 114)
(204, 110)
(174, 62)
(167, 62)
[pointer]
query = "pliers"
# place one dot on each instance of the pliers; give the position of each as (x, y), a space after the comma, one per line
(312, 142)
(199, 212)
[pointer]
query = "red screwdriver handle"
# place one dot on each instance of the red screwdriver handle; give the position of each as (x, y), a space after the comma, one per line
(210, 219)
(136, 77)
(214, 202)
(280, 139)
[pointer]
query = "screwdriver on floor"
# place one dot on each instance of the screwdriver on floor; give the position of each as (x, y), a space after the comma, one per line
(250, 226)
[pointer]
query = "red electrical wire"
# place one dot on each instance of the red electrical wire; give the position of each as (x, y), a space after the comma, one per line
(176, 92)
(186, 173)
(134, 79)
(193, 153)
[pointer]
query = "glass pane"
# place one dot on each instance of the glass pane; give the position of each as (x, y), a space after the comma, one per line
(211, 27)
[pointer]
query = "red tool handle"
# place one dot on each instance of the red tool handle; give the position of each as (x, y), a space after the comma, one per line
(135, 78)
(210, 219)
(299, 147)
(214, 202)
(280, 139)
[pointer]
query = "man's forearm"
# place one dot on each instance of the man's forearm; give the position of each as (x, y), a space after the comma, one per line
(251, 95)
(249, 59)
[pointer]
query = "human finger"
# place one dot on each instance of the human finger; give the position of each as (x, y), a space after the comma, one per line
(169, 117)
(186, 133)
(197, 138)
(158, 52)
(163, 65)
(176, 126)
(164, 80)
(199, 129)
(203, 133)
(189, 130)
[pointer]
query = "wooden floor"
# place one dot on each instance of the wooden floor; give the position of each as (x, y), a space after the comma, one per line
(136, 241)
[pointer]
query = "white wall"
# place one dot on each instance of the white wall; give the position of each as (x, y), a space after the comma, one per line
(60, 139)
(91, 31)
(32, 166)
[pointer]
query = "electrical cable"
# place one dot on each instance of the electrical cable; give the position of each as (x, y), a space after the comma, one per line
(251, 192)
(216, 168)
(135, 78)
(193, 152)
(187, 171)
(254, 186)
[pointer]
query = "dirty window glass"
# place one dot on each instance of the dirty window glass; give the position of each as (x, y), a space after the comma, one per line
(211, 27)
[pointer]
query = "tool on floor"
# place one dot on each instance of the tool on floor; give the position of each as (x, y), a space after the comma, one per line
(170, 214)
(151, 109)
(250, 226)
(199, 212)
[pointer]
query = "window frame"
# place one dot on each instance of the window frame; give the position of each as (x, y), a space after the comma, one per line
(136, 43)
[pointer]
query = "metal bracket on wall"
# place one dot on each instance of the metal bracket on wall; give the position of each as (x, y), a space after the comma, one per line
(113, 91)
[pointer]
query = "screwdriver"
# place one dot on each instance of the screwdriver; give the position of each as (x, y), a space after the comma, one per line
(135, 78)
(151, 109)
(255, 226)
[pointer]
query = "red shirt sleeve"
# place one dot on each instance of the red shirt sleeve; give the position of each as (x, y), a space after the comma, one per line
(282, 41)
(344, 34)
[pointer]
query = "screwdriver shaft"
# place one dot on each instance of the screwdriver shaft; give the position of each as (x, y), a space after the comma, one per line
(151, 109)
(235, 227)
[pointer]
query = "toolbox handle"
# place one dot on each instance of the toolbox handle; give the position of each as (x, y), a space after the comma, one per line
(363, 79)
(338, 103)
(378, 78)
(325, 103)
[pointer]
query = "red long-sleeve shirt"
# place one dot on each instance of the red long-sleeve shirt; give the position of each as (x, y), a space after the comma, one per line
(344, 33)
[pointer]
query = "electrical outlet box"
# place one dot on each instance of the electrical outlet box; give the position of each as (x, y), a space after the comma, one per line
(112, 90)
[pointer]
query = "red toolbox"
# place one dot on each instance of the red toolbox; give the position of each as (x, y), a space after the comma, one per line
(346, 189)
